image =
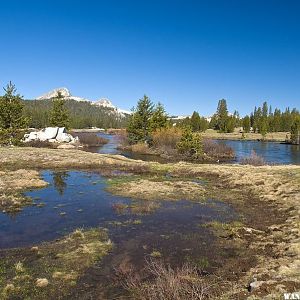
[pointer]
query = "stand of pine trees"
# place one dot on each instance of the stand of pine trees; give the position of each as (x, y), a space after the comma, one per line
(144, 120)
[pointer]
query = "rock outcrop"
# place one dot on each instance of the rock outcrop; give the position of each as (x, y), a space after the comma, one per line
(52, 135)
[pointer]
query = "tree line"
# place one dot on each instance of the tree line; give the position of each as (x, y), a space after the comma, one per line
(17, 114)
(261, 120)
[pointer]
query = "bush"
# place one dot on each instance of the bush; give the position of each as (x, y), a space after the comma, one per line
(217, 150)
(253, 159)
(90, 139)
(171, 284)
(166, 139)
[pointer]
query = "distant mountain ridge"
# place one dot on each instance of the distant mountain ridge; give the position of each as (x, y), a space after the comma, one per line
(102, 102)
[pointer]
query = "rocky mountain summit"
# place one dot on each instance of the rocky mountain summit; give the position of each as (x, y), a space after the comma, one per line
(102, 102)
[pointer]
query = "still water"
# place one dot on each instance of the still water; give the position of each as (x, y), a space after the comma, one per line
(78, 200)
(272, 152)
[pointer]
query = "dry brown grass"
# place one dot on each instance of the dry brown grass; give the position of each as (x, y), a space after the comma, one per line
(32, 158)
(159, 190)
(236, 135)
(12, 183)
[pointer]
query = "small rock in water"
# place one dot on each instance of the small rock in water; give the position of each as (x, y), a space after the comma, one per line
(254, 284)
(41, 282)
(63, 213)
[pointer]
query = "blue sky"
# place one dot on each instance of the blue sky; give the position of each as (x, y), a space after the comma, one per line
(186, 54)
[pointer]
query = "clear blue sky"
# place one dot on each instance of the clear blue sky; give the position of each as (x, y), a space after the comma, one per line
(186, 54)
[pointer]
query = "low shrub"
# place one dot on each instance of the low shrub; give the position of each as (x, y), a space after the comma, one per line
(39, 144)
(253, 160)
(217, 150)
(166, 139)
(90, 139)
(122, 138)
(141, 148)
(172, 284)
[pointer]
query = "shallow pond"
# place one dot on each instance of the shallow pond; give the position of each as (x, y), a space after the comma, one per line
(76, 199)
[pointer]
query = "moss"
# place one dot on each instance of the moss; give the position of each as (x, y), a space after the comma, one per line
(155, 254)
(50, 272)
(227, 230)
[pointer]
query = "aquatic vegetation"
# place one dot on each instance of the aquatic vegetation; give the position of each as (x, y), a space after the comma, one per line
(144, 207)
(126, 223)
(50, 270)
(226, 230)
(155, 254)
(136, 207)
(120, 208)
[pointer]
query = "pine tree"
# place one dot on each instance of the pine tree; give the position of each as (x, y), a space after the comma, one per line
(139, 125)
(59, 115)
(190, 144)
(246, 124)
(222, 116)
(203, 124)
(159, 118)
(295, 131)
(195, 121)
(12, 121)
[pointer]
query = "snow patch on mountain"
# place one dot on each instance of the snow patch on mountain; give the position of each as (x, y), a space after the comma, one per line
(102, 102)
(64, 92)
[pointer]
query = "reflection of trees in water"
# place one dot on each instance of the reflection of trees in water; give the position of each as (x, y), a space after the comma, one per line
(59, 180)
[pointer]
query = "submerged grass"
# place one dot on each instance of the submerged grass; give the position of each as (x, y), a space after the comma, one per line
(50, 270)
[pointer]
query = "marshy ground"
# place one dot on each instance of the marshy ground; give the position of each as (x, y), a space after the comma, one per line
(261, 241)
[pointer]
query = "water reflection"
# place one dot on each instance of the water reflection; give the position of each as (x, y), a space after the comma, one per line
(78, 199)
(59, 181)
